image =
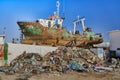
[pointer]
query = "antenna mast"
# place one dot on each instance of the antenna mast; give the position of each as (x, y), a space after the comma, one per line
(58, 6)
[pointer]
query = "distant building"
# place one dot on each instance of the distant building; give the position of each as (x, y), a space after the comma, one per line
(2, 39)
(115, 42)
(1, 49)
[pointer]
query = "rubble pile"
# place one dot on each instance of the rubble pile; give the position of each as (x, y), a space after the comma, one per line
(61, 60)
(65, 58)
(26, 62)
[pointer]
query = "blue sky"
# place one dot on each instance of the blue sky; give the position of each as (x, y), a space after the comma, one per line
(101, 15)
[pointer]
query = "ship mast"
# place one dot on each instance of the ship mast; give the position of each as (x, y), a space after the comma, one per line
(79, 21)
(58, 7)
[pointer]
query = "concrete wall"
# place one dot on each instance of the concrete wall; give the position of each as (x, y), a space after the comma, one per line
(15, 50)
(115, 41)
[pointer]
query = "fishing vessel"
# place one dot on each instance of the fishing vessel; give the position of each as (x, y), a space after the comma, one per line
(50, 31)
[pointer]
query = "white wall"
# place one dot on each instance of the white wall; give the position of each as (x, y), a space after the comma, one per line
(1, 39)
(115, 41)
(15, 50)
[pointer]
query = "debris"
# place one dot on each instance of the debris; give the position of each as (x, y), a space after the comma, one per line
(104, 68)
(61, 60)
(76, 66)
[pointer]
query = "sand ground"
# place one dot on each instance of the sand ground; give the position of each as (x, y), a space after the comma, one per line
(67, 76)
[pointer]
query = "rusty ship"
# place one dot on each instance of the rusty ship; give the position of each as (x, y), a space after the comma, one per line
(50, 31)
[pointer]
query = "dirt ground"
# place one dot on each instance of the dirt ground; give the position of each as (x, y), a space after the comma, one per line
(66, 76)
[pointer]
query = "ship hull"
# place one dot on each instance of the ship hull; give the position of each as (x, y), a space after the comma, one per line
(35, 33)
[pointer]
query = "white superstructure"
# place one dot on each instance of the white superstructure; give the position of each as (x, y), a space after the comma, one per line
(53, 20)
